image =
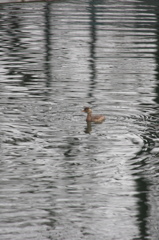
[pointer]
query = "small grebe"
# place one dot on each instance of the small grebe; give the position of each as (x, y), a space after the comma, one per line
(93, 118)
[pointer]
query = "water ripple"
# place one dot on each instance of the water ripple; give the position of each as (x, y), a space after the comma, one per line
(62, 178)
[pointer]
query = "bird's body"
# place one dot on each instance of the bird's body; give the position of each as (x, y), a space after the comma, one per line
(91, 117)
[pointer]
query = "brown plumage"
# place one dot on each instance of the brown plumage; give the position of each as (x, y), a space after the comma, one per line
(91, 117)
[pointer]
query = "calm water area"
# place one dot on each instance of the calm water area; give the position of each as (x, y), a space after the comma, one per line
(61, 178)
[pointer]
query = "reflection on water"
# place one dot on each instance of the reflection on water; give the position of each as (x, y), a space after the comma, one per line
(88, 128)
(63, 178)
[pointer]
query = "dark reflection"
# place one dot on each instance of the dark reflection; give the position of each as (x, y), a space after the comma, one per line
(143, 211)
(72, 143)
(26, 78)
(143, 188)
(19, 56)
(47, 64)
(157, 61)
(13, 35)
(143, 159)
(144, 156)
(93, 38)
(88, 128)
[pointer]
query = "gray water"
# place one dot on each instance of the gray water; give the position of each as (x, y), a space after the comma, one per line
(61, 179)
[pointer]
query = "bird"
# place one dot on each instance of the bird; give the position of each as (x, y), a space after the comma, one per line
(91, 117)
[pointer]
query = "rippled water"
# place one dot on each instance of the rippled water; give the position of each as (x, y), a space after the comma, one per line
(62, 179)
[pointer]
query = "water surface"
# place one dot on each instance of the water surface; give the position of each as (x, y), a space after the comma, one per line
(61, 178)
